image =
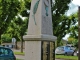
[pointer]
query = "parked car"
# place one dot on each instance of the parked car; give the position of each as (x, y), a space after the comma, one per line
(72, 47)
(6, 54)
(8, 45)
(64, 50)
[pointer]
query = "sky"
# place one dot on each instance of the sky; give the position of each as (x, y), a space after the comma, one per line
(73, 7)
(76, 2)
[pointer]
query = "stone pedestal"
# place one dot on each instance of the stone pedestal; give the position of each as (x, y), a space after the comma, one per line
(39, 47)
(39, 31)
(33, 50)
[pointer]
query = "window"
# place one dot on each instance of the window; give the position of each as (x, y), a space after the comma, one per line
(4, 51)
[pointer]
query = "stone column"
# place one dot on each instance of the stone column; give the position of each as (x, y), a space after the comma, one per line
(39, 29)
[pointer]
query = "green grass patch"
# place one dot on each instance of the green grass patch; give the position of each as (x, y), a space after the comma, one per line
(18, 53)
(66, 57)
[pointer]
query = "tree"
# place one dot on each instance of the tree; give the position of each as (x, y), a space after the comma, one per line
(16, 24)
(18, 28)
(5, 38)
(8, 10)
(73, 30)
(22, 28)
(25, 12)
(61, 22)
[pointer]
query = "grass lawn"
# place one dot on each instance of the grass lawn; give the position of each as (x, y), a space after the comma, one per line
(66, 57)
(56, 56)
(18, 53)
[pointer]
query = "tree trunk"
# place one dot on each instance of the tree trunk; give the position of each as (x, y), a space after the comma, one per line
(58, 42)
(0, 40)
(16, 45)
(21, 44)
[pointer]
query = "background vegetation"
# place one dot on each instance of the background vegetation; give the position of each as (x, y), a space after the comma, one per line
(13, 25)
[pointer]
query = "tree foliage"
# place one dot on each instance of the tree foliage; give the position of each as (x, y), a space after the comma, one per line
(8, 10)
(73, 30)
(18, 28)
(6, 38)
(61, 22)
(25, 12)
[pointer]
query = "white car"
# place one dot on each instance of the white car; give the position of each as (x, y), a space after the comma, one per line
(59, 50)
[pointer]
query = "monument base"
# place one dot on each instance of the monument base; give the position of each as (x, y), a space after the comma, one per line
(34, 47)
(32, 50)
